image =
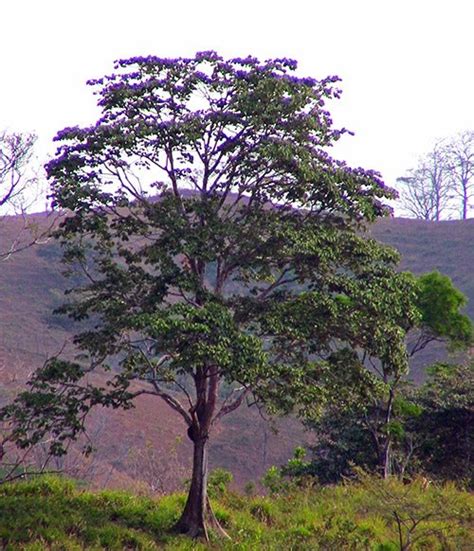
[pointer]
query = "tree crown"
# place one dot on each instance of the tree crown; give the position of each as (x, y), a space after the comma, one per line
(220, 242)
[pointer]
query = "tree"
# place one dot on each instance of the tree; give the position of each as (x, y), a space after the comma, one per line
(460, 164)
(445, 426)
(378, 433)
(15, 153)
(440, 304)
(221, 244)
(19, 188)
(426, 190)
(443, 181)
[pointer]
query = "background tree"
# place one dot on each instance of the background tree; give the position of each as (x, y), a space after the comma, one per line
(16, 151)
(384, 432)
(445, 427)
(425, 192)
(221, 243)
(441, 307)
(20, 187)
(443, 181)
(459, 153)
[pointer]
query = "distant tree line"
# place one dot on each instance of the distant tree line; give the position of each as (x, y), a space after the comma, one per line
(442, 184)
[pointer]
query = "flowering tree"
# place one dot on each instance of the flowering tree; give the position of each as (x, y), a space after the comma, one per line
(220, 243)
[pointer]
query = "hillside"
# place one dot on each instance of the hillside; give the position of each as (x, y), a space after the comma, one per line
(446, 246)
(147, 443)
(425, 246)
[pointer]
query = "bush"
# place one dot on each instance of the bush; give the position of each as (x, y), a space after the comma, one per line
(218, 482)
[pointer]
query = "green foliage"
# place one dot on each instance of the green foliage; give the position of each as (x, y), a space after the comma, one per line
(342, 441)
(422, 512)
(379, 432)
(404, 407)
(448, 386)
(440, 303)
(263, 510)
(431, 432)
(218, 482)
(52, 514)
(445, 428)
(295, 475)
(273, 480)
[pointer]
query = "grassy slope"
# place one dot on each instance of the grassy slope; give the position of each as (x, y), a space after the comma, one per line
(50, 513)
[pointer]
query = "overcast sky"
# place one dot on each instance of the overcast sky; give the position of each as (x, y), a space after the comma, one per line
(406, 65)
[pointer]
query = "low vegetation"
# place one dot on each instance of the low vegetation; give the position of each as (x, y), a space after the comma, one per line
(55, 513)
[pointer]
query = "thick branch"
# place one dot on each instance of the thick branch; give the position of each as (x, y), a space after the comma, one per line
(170, 400)
(229, 407)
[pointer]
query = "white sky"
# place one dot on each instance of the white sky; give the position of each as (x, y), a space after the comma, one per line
(407, 65)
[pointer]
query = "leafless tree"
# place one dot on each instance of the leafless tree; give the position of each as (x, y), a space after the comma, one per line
(459, 159)
(157, 473)
(16, 151)
(426, 191)
(20, 186)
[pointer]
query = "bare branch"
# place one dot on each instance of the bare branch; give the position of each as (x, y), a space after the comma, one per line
(171, 401)
(230, 406)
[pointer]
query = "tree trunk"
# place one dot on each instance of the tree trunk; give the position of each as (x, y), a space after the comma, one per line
(385, 459)
(198, 513)
(193, 519)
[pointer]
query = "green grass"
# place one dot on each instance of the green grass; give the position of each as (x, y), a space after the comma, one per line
(52, 513)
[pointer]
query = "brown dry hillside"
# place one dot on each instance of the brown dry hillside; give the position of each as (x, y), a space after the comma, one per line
(146, 444)
(446, 246)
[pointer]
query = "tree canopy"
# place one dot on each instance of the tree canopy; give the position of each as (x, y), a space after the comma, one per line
(431, 432)
(219, 243)
(388, 431)
(440, 304)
